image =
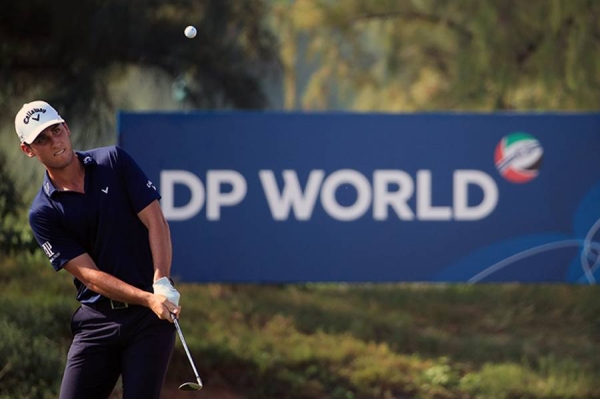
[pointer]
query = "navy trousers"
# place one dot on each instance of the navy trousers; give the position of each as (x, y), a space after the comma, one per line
(107, 343)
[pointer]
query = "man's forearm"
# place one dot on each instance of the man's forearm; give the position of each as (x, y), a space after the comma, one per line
(84, 269)
(113, 288)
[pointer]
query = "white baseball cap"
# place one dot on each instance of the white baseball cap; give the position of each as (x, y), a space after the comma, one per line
(33, 118)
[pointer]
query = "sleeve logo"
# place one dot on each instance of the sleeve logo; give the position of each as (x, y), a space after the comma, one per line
(47, 247)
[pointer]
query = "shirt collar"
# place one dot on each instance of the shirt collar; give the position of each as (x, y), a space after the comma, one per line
(49, 188)
(85, 158)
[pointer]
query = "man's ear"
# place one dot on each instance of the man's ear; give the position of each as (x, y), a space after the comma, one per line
(27, 150)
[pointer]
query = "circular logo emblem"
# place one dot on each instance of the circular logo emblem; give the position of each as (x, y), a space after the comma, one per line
(518, 157)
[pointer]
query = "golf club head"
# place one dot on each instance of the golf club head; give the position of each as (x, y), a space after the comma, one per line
(190, 386)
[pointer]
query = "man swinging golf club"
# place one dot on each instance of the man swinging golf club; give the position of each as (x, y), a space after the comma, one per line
(98, 217)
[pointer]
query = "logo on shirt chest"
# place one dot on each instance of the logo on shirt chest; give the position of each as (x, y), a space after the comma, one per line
(104, 190)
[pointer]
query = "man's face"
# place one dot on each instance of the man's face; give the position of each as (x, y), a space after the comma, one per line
(52, 147)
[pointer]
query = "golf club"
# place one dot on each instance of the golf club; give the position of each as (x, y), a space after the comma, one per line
(187, 386)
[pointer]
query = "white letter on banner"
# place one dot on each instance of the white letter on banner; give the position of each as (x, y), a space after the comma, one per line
(396, 199)
(291, 197)
(363, 200)
(462, 179)
(425, 211)
(168, 179)
(215, 198)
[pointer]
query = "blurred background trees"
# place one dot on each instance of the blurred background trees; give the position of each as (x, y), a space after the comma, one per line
(421, 55)
(75, 53)
(10, 203)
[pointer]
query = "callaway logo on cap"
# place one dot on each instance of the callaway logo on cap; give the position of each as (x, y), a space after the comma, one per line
(33, 118)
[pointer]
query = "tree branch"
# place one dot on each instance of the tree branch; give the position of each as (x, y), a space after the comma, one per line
(412, 15)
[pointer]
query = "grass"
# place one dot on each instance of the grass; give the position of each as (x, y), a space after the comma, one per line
(335, 341)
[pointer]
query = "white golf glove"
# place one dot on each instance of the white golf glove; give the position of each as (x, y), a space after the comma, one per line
(163, 286)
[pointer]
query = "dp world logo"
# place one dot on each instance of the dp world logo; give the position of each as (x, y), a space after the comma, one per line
(518, 157)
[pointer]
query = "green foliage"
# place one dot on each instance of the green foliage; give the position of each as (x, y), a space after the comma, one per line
(9, 198)
(333, 341)
(36, 308)
(31, 363)
(562, 379)
(433, 54)
(33, 342)
(15, 234)
(384, 341)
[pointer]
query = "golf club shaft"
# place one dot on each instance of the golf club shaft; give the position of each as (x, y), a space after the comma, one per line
(187, 351)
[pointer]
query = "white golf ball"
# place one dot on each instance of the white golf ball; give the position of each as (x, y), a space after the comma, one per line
(190, 32)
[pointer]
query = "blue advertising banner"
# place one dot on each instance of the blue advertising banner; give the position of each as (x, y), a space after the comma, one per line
(294, 197)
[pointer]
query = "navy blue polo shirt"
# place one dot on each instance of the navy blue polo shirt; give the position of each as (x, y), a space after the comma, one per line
(101, 222)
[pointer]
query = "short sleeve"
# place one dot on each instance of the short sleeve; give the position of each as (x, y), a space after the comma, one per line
(59, 246)
(140, 189)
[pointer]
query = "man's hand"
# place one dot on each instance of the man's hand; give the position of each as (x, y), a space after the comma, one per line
(167, 299)
(163, 287)
(163, 308)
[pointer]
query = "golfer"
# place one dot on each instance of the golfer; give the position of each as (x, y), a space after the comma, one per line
(98, 217)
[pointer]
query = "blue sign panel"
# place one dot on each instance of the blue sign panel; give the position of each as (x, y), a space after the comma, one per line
(292, 197)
